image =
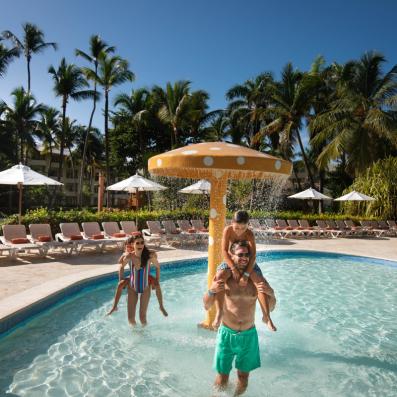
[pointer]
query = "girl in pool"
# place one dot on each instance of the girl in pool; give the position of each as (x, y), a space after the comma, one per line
(239, 230)
(140, 282)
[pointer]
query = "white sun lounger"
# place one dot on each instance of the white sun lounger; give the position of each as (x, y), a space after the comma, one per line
(194, 235)
(92, 229)
(38, 230)
(69, 230)
(129, 227)
(11, 232)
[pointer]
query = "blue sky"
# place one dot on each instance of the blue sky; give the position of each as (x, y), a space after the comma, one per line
(214, 44)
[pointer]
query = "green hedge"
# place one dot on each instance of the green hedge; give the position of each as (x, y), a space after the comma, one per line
(54, 218)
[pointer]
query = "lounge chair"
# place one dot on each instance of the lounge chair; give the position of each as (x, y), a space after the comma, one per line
(332, 225)
(289, 231)
(71, 233)
(112, 230)
(328, 230)
(15, 236)
(260, 232)
(155, 230)
(358, 230)
(129, 227)
(306, 225)
(346, 229)
(198, 224)
(370, 229)
(186, 227)
(92, 231)
(274, 229)
(392, 224)
(12, 252)
(305, 232)
(173, 234)
(41, 234)
(382, 225)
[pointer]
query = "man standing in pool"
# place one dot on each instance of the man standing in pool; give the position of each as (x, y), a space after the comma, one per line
(237, 336)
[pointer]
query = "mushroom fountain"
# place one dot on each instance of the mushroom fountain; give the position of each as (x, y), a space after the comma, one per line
(217, 162)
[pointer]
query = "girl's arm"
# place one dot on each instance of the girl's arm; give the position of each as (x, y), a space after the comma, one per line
(123, 260)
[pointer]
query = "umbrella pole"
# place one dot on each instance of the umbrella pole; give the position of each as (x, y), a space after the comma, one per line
(20, 202)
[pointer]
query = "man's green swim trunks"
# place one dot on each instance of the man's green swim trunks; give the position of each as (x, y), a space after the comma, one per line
(243, 345)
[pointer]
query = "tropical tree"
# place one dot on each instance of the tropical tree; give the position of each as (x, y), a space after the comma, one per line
(48, 130)
(291, 101)
(31, 43)
(69, 82)
(174, 106)
(112, 71)
(136, 108)
(360, 125)
(6, 56)
(96, 48)
(20, 120)
(218, 127)
(248, 106)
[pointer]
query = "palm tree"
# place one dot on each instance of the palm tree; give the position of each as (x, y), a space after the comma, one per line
(49, 129)
(69, 82)
(32, 43)
(360, 125)
(136, 107)
(97, 46)
(112, 71)
(291, 102)
(174, 106)
(248, 105)
(6, 56)
(20, 120)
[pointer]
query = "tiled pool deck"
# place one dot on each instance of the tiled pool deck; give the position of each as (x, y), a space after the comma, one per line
(30, 280)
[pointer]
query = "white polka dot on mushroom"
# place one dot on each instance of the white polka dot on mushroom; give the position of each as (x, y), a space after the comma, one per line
(213, 213)
(215, 148)
(218, 174)
(224, 199)
(159, 162)
(240, 160)
(277, 164)
(208, 161)
(210, 240)
(187, 152)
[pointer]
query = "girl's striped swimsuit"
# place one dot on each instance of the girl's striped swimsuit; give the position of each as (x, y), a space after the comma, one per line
(139, 278)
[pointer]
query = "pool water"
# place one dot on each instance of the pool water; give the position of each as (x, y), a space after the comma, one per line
(337, 336)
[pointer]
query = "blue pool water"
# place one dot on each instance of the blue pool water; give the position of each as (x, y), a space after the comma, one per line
(337, 336)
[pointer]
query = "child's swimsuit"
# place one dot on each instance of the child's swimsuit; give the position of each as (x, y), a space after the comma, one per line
(139, 278)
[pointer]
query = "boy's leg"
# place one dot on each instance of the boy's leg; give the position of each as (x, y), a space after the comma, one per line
(221, 381)
(120, 286)
(265, 294)
(132, 300)
(223, 273)
(242, 382)
(159, 296)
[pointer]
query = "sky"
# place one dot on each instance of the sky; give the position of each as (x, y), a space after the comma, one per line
(214, 44)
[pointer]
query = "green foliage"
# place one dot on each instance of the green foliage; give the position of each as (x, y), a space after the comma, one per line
(54, 218)
(379, 182)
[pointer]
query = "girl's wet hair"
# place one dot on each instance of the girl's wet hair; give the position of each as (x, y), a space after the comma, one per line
(134, 236)
(241, 217)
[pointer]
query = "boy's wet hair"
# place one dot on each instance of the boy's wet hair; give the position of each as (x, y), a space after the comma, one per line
(239, 243)
(241, 217)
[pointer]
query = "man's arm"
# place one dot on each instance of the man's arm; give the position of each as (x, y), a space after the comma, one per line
(209, 296)
(156, 264)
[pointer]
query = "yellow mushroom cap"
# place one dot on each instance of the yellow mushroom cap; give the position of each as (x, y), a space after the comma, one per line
(218, 160)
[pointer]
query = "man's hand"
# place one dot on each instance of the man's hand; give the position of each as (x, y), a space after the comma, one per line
(236, 273)
(217, 286)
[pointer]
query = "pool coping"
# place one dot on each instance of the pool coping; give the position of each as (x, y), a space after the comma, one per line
(19, 307)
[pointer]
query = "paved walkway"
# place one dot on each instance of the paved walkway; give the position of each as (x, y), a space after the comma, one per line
(29, 279)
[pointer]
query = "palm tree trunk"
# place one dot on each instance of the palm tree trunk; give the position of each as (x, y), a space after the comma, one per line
(50, 162)
(107, 145)
(309, 173)
(62, 145)
(80, 184)
(28, 62)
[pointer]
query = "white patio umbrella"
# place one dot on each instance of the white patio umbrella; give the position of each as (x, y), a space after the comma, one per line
(200, 187)
(21, 175)
(136, 183)
(355, 196)
(310, 194)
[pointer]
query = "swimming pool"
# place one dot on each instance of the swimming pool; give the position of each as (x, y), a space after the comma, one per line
(337, 336)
